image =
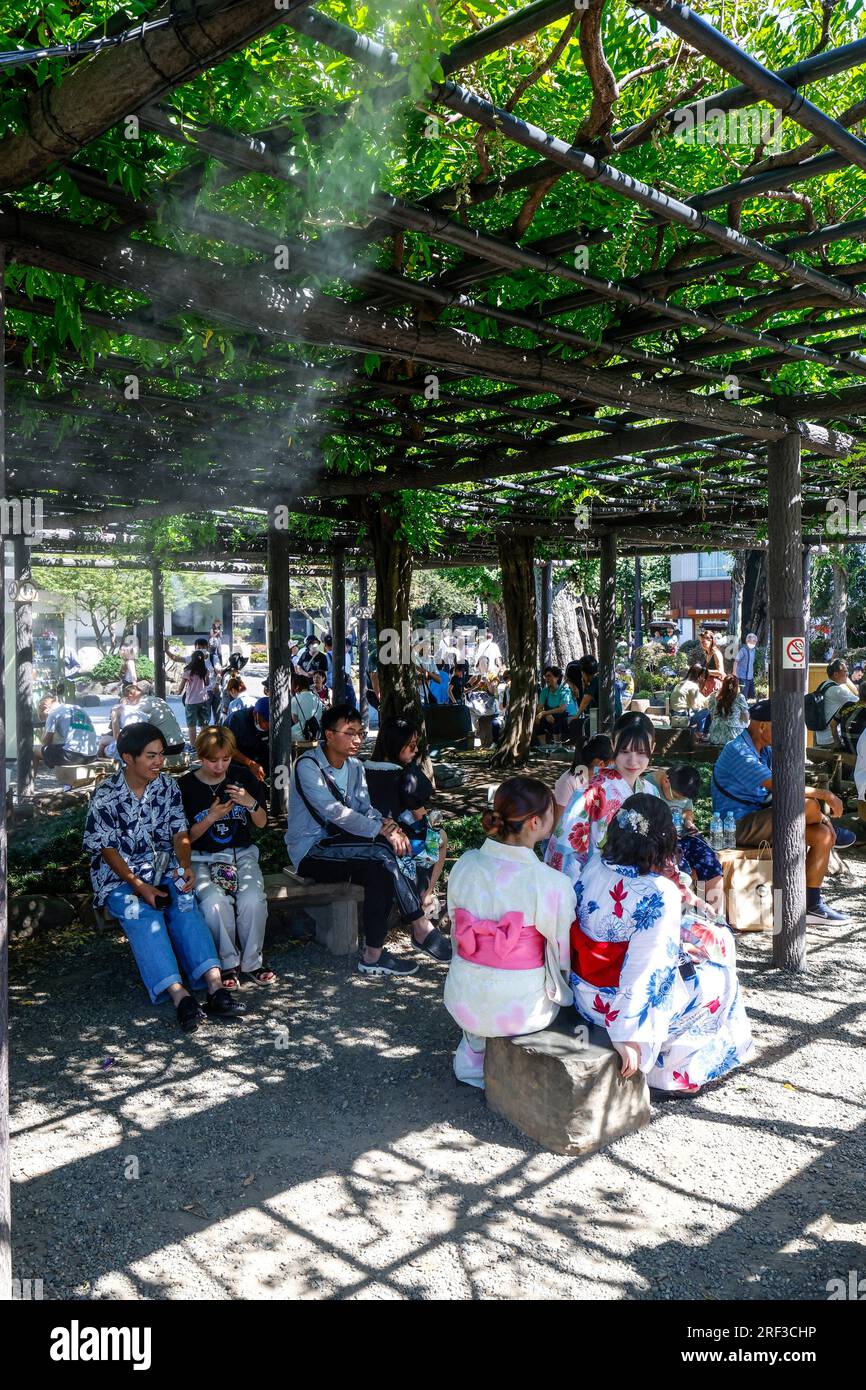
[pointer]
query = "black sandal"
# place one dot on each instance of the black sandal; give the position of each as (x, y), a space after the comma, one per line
(189, 1013)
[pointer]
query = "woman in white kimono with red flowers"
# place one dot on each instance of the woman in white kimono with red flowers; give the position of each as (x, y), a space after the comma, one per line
(511, 918)
(670, 1012)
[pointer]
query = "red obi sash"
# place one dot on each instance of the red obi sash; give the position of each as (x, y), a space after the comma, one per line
(597, 962)
(508, 944)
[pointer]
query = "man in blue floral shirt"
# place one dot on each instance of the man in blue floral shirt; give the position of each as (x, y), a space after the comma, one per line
(138, 840)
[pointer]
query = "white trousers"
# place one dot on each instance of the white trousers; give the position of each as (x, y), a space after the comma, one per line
(237, 924)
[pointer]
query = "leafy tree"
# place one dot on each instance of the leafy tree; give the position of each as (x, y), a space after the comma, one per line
(115, 599)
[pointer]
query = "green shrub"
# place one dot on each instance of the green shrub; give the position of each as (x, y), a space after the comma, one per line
(110, 667)
(46, 856)
(464, 832)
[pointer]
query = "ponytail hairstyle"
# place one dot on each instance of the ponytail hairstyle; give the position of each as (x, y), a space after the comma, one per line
(515, 801)
(730, 689)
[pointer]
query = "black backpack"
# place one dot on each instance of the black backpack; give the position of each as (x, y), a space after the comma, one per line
(816, 714)
(852, 722)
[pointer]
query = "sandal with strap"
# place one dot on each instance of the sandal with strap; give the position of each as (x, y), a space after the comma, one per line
(230, 979)
(263, 976)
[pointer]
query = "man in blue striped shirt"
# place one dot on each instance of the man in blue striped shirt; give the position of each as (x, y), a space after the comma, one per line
(743, 782)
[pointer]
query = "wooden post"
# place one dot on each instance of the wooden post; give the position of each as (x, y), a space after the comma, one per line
(606, 631)
(23, 681)
(787, 637)
(5, 1193)
(158, 631)
(363, 647)
(280, 663)
(638, 599)
(517, 566)
(807, 595)
(338, 625)
(546, 613)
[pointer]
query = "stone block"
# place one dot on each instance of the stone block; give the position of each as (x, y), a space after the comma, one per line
(564, 1090)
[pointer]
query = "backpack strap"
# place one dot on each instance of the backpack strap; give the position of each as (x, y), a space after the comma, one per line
(731, 797)
(329, 783)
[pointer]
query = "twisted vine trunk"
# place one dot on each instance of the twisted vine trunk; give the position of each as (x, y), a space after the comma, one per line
(516, 562)
(392, 562)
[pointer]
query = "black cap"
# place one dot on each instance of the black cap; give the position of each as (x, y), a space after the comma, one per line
(760, 711)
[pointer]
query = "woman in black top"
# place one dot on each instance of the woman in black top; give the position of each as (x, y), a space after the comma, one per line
(401, 790)
(222, 801)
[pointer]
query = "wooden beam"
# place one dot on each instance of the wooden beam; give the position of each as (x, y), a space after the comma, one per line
(606, 632)
(158, 607)
(246, 297)
(97, 94)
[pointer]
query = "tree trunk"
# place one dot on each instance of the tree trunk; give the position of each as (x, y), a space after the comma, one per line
(567, 642)
(755, 616)
(516, 562)
(839, 619)
(392, 561)
(735, 619)
(498, 627)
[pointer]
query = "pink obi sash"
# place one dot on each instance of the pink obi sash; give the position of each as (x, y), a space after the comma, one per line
(505, 945)
(597, 962)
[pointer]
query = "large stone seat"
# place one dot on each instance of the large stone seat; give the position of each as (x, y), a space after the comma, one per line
(563, 1089)
(332, 906)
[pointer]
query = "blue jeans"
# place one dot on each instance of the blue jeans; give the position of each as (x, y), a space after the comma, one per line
(159, 939)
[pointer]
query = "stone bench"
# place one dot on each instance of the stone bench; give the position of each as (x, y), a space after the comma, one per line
(332, 906)
(564, 1089)
(84, 774)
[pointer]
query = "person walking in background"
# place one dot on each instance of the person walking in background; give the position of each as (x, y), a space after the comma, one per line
(714, 662)
(744, 668)
(128, 654)
(194, 694)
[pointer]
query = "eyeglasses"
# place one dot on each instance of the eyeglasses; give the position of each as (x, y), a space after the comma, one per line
(349, 733)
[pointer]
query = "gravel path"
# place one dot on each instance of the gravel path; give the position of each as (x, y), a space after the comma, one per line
(323, 1150)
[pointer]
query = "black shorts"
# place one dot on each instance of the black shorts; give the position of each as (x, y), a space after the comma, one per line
(58, 755)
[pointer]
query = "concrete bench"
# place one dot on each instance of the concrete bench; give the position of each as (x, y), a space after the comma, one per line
(563, 1089)
(84, 774)
(332, 906)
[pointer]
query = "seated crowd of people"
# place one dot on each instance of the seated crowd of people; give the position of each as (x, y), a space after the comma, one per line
(598, 890)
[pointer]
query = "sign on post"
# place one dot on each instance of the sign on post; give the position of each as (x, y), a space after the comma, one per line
(794, 653)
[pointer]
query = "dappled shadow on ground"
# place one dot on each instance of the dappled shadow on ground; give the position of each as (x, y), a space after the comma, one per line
(322, 1148)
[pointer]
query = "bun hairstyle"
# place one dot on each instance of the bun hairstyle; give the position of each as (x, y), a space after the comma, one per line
(642, 836)
(514, 803)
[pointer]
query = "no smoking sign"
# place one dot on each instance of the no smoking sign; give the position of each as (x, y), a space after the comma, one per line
(794, 653)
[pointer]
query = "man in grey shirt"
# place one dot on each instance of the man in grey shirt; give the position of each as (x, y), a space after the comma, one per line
(334, 835)
(68, 736)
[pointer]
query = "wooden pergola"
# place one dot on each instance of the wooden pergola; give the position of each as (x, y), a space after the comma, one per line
(671, 418)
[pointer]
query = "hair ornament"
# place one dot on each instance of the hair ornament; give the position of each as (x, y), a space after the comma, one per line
(632, 820)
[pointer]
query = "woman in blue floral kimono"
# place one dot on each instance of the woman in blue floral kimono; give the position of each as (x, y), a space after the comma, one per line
(670, 1011)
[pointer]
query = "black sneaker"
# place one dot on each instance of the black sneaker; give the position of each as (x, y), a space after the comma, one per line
(387, 965)
(435, 945)
(822, 913)
(223, 1005)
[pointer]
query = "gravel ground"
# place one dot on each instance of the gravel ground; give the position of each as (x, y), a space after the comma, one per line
(322, 1149)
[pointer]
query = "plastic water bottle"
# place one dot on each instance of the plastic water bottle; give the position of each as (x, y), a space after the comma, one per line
(677, 817)
(185, 901)
(717, 833)
(730, 832)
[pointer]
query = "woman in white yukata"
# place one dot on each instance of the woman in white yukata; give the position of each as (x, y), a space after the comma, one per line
(669, 1010)
(511, 917)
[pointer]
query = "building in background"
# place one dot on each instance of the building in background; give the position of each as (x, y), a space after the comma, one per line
(701, 590)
